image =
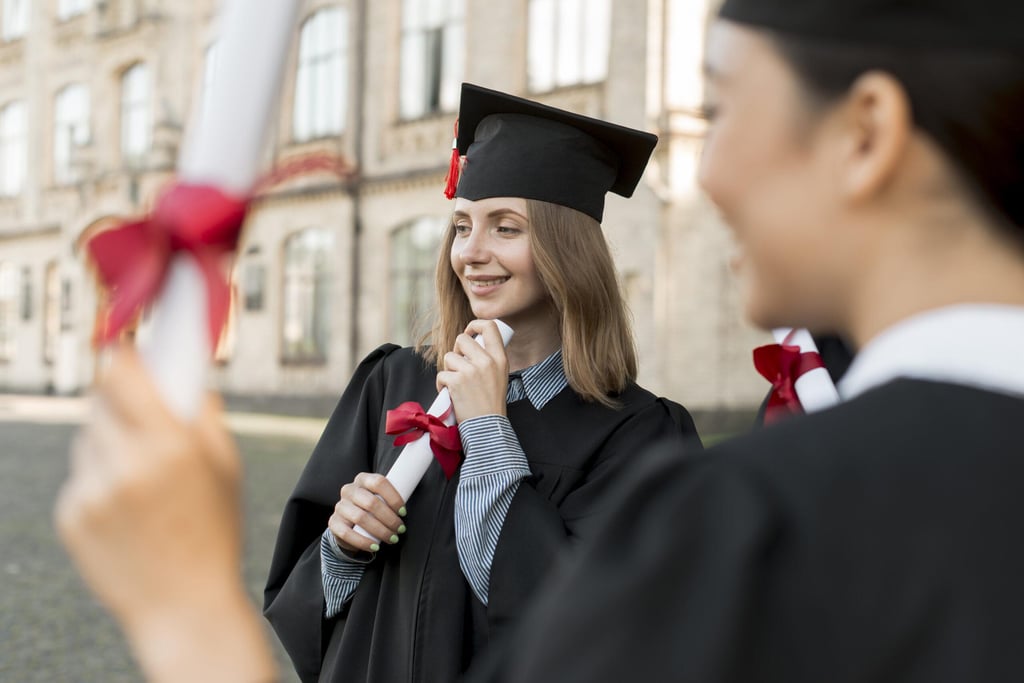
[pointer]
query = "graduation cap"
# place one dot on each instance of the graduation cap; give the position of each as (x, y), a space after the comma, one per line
(518, 148)
(996, 25)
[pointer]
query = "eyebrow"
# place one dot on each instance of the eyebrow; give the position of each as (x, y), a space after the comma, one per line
(493, 214)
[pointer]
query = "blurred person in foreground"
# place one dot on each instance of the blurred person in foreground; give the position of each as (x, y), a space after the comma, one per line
(869, 159)
(151, 516)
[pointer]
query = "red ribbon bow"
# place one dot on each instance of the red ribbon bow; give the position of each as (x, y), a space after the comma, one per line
(132, 260)
(444, 439)
(782, 365)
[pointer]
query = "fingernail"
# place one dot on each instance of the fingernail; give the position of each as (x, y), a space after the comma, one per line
(401, 529)
(401, 511)
(374, 547)
(394, 538)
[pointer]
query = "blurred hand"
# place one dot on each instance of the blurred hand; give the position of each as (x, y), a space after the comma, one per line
(476, 376)
(372, 503)
(150, 515)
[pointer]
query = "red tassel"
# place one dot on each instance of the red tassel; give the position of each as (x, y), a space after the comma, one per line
(454, 167)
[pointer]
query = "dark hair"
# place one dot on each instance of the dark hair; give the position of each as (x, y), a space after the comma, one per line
(971, 103)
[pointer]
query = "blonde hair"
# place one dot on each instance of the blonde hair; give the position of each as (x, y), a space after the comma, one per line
(575, 267)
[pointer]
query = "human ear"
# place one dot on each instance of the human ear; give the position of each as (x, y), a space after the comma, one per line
(877, 124)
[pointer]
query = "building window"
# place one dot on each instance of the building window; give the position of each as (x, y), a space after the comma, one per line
(8, 309)
(26, 294)
(136, 131)
(70, 130)
(254, 278)
(413, 260)
(51, 312)
(15, 19)
(13, 159)
(322, 79)
(433, 48)
(306, 296)
(71, 8)
(568, 42)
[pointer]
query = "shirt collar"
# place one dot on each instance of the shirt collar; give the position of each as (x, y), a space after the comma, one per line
(974, 345)
(543, 381)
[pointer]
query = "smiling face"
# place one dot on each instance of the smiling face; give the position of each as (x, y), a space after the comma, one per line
(492, 256)
(769, 166)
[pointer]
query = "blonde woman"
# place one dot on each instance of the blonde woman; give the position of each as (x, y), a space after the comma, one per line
(546, 424)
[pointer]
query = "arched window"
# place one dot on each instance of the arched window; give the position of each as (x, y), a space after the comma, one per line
(568, 42)
(306, 299)
(13, 149)
(433, 49)
(413, 260)
(70, 129)
(321, 81)
(136, 128)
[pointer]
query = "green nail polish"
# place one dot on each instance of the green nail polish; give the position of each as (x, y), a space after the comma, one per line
(394, 538)
(374, 547)
(401, 511)
(401, 529)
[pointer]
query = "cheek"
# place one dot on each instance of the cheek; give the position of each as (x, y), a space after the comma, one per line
(455, 259)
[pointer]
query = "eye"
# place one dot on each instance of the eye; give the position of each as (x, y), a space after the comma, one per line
(508, 230)
(462, 229)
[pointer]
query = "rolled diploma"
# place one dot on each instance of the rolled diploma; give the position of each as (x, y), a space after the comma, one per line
(222, 147)
(415, 458)
(814, 388)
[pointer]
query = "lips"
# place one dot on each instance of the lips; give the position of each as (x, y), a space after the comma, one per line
(483, 285)
(489, 282)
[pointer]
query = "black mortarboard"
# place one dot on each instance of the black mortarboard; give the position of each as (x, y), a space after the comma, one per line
(996, 25)
(518, 148)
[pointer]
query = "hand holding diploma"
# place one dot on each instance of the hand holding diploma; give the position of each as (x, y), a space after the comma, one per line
(370, 508)
(151, 517)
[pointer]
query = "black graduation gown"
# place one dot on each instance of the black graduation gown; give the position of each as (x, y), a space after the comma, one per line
(876, 541)
(414, 616)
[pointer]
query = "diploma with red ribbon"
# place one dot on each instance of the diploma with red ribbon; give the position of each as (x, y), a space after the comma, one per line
(800, 382)
(426, 436)
(174, 258)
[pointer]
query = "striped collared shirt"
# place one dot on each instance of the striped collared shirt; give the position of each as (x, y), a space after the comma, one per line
(494, 467)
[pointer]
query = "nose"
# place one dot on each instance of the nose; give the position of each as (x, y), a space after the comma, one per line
(474, 247)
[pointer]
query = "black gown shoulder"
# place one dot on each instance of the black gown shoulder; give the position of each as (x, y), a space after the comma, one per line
(876, 541)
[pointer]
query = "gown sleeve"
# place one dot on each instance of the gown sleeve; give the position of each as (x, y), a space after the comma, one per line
(294, 597)
(670, 585)
(537, 528)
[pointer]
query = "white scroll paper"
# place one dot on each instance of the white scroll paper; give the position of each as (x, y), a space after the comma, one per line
(223, 145)
(416, 456)
(814, 388)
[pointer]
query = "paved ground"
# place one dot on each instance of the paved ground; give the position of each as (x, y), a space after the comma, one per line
(50, 628)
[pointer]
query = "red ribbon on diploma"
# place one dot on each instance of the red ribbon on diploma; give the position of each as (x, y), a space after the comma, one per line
(444, 439)
(132, 260)
(782, 365)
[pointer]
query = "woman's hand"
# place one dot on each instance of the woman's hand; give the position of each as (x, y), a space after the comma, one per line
(372, 503)
(150, 515)
(476, 377)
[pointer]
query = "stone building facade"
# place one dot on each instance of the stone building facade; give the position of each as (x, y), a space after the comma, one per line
(95, 96)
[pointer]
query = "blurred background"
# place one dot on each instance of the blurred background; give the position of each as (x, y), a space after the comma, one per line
(95, 96)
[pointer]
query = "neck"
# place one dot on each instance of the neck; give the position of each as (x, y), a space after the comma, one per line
(914, 271)
(530, 345)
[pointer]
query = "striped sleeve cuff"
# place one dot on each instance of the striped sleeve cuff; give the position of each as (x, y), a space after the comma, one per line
(340, 574)
(495, 466)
